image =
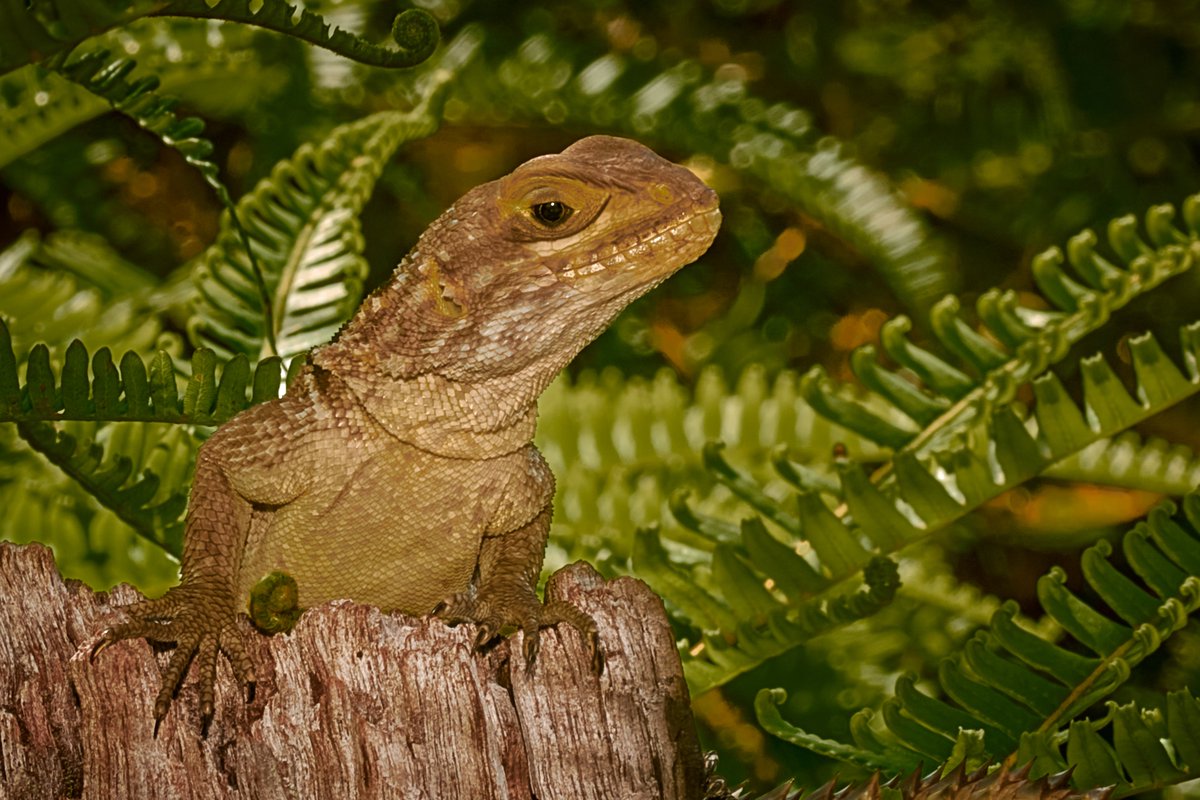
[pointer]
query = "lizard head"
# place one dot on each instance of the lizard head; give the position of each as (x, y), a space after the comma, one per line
(530, 268)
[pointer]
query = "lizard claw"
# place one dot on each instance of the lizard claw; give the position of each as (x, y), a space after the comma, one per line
(532, 644)
(527, 614)
(201, 623)
(102, 644)
(597, 654)
(486, 634)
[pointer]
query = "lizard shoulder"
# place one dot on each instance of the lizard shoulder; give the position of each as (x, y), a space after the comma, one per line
(272, 452)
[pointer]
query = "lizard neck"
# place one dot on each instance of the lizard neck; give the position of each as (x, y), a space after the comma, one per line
(457, 420)
(393, 356)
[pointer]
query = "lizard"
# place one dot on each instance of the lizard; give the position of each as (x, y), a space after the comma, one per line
(399, 468)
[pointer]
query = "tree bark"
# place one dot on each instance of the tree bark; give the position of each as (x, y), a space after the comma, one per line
(353, 703)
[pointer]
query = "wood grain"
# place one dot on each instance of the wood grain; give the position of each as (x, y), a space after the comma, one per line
(353, 703)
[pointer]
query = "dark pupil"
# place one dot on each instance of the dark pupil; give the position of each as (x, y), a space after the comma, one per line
(551, 213)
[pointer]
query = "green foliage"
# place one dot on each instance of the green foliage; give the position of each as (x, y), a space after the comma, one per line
(814, 494)
(1025, 693)
(128, 392)
(105, 77)
(624, 449)
(1017, 344)
(39, 104)
(414, 31)
(302, 224)
(131, 390)
(1152, 464)
(35, 31)
(975, 445)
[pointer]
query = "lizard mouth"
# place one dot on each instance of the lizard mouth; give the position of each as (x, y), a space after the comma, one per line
(649, 258)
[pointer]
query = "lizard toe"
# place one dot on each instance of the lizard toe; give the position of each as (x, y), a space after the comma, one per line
(556, 611)
(172, 675)
(531, 643)
(527, 614)
(233, 645)
(133, 629)
(206, 661)
(486, 633)
(457, 609)
(202, 624)
(148, 619)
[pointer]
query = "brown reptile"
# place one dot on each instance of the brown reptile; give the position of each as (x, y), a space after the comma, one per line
(398, 470)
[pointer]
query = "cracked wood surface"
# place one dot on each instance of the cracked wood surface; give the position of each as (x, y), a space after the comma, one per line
(352, 703)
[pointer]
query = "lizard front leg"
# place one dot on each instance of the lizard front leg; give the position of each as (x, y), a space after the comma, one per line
(200, 614)
(506, 592)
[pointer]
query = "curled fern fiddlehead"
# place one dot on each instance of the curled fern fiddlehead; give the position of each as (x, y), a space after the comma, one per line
(414, 31)
(33, 32)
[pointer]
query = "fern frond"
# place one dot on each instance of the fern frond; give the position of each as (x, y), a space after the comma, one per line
(129, 391)
(89, 258)
(139, 100)
(90, 544)
(819, 549)
(1132, 748)
(622, 448)
(39, 300)
(49, 105)
(37, 104)
(30, 33)
(108, 481)
(960, 783)
(101, 464)
(106, 77)
(752, 593)
(414, 31)
(1131, 462)
(302, 222)
(928, 488)
(1018, 343)
(1012, 684)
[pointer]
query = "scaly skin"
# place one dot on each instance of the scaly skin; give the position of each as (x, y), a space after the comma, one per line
(399, 469)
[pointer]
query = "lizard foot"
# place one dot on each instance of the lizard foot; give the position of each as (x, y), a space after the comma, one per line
(202, 623)
(493, 613)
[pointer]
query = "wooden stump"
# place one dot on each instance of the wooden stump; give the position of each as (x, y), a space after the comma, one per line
(353, 703)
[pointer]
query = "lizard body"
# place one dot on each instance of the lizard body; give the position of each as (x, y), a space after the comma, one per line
(399, 469)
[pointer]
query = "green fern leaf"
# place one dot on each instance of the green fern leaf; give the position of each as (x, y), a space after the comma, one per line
(159, 522)
(303, 225)
(882, 521)
(131, 392)
(50, 106)
(622, 451)
(33, 32)
(414, 31)
(37, 104)
(1020, 688)
(953, 404)
(935, 478)
(1132, 748)
(39, 301)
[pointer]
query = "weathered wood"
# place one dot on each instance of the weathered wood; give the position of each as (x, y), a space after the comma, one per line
(351, 703)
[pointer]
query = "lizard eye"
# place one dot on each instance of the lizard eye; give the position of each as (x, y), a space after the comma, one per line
(551, 214)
